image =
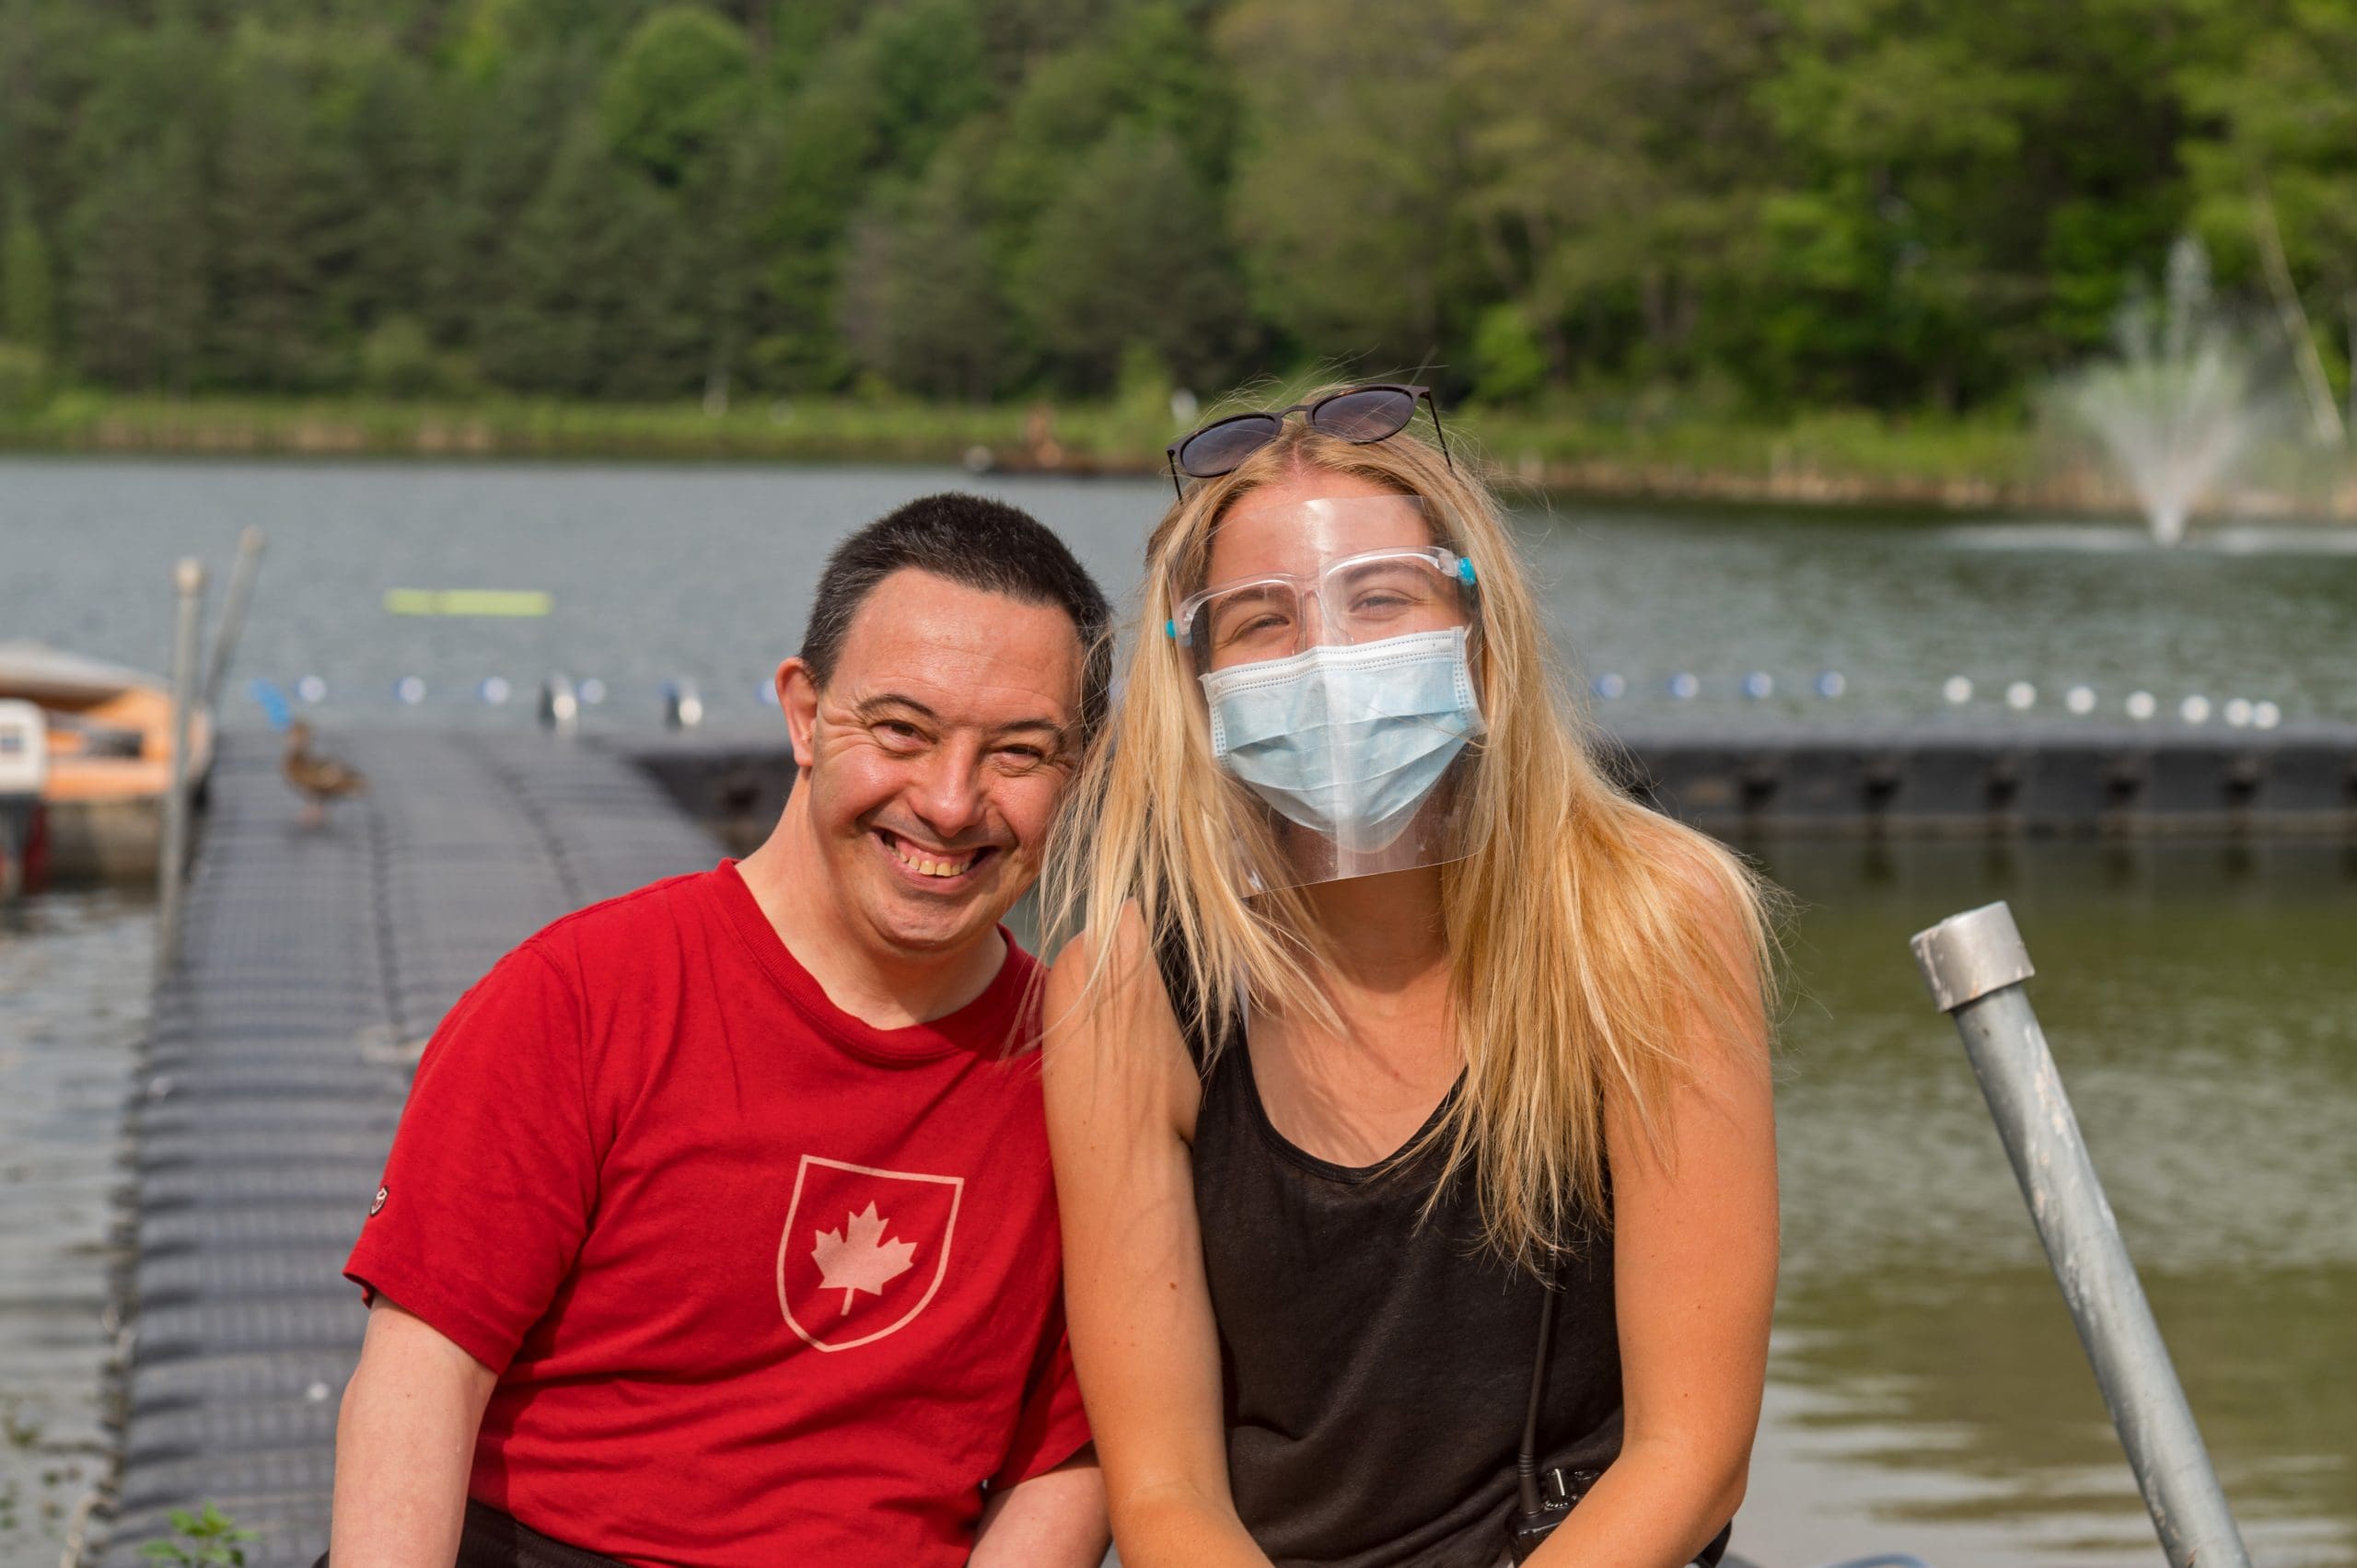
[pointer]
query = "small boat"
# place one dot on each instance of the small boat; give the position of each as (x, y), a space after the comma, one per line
(110, 762)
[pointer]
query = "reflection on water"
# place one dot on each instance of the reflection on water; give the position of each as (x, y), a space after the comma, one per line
(1929, 1390)
(74, 973)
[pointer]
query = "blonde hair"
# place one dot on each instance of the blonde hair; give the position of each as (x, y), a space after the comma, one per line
(1588, 935)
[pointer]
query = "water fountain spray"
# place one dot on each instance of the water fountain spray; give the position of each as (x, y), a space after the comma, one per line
(2182, 403)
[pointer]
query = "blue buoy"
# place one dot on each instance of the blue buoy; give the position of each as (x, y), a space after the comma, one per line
(273, 703)
(495, 690)
(592, 692)
(1759, 685)
(1610, 687)
(1832, 683)
(1683, 686)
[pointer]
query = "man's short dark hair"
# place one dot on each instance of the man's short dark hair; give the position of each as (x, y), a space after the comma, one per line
(979, 544)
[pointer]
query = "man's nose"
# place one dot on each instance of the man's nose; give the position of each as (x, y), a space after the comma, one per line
(948, 793)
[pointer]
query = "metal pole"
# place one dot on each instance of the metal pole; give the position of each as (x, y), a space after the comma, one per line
(188, 579)
(1975, 964)
(233, 612)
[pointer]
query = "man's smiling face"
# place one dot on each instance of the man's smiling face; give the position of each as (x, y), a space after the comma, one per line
(934, 756)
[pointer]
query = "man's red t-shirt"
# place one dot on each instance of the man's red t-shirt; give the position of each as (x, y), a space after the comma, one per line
(763, 1284)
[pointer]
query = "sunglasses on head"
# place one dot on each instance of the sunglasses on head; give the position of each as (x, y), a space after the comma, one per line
(1356, 415)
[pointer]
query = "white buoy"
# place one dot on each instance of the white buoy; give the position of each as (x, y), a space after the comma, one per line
(2080, 700)
(1684, 686)
(2194, 710)
(2021, 696)
(2237, 712)
(311, 689)
(683, 708)
(1832, 683)
(1958, 690)
(2266, 715)
(1609, 686)
(495, 690)
(592, 692)
(1759, 685)
(408, 690)
(2142, 705)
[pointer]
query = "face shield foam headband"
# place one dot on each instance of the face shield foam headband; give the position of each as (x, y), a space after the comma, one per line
(1339, 681)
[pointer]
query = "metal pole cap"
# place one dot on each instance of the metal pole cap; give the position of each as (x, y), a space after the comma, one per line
(1968, 956)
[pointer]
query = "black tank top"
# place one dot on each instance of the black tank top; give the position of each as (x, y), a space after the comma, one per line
(1374, 1369)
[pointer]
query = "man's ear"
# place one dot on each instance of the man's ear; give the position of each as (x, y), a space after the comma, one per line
(797, 699)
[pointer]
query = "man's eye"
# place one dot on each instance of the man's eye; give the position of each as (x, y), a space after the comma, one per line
(1022, 758)
(900, 735)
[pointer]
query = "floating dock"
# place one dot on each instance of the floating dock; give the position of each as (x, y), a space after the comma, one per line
(315, 964)
(1758, 783)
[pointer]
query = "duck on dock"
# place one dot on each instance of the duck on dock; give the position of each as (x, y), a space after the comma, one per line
(318, 779)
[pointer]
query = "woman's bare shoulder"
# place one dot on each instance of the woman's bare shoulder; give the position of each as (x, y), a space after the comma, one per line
(1109, 1024)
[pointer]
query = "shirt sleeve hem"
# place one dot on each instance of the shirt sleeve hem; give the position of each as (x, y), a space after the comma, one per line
(1068, 1438)
(435, 1307)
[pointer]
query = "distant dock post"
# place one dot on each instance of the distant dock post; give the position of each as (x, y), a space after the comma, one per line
(1975, 964)
(171, 873)
(232, 624)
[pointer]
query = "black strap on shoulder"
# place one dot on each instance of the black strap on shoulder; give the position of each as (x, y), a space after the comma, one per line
(1184, 988)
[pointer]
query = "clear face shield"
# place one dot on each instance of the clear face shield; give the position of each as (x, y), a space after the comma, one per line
(1336, 646)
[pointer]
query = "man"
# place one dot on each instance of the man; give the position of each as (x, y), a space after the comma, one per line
(719, 1228)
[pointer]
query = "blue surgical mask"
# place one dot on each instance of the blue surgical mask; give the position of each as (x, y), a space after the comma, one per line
(1347, 740)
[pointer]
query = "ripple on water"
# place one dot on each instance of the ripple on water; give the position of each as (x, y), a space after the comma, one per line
(74, 986)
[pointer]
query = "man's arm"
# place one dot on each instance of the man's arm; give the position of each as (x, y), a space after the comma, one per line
(405, 1441)
(1054, 1520)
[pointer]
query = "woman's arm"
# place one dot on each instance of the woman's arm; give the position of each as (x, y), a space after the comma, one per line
(1694, 1259)
(1121, 1098)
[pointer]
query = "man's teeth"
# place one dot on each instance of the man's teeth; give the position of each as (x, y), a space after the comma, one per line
(926, 866)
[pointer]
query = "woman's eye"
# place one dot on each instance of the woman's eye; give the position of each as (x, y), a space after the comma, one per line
(1257, 626)
(1022, 758)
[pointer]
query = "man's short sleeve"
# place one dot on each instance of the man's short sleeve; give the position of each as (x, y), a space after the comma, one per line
(492, 1175)
(1052, 1427)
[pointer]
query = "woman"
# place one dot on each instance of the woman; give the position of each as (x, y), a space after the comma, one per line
(1390, 1015)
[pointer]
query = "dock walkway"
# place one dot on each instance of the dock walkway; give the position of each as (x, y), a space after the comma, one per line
(315, 965)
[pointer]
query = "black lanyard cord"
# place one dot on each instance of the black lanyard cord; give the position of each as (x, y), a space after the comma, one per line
(1526, 1463)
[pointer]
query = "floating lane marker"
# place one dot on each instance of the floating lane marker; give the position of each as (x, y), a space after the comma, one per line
(469, 601)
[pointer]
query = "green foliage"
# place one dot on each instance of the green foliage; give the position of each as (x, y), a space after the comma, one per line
(1508, 364)
(678, 95)
(27, 292)
(24, 378)
(1791, 204)
(1130, 255)
(205, 1537)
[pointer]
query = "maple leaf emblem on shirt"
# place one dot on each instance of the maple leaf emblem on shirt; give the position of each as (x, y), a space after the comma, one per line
(858, 1258)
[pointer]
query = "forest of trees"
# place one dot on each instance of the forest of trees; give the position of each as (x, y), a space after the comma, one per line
(1747, 204)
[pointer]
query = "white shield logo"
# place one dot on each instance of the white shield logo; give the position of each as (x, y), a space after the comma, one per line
(865, 1250)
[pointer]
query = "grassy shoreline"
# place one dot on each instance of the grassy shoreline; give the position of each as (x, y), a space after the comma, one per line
(1834, 458)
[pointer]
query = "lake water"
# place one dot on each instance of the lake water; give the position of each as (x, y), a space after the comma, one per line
(704, 572)
(73, 970)
(1926, 1393)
